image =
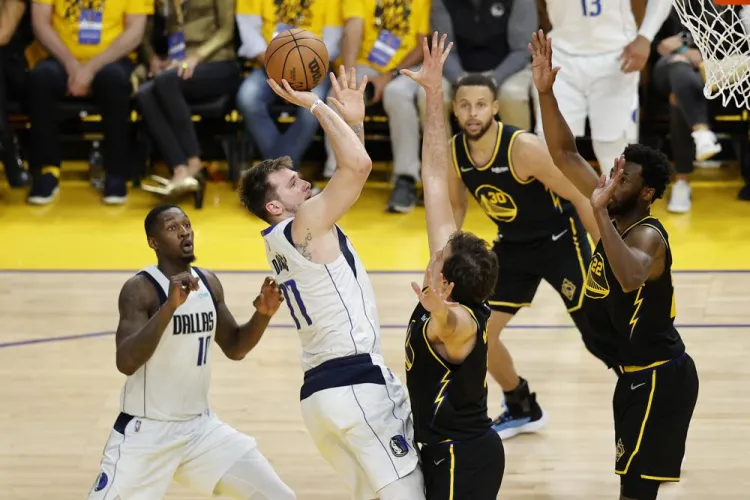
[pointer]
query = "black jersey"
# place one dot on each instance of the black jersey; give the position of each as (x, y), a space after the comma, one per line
(640, 324)
(449, 402)
(524, 210)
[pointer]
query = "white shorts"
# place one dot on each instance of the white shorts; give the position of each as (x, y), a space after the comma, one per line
(358, 414)
(594, 86)
(141, 461)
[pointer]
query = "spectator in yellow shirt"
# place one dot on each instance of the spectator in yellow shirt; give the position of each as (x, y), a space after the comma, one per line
(382, 37)
(88, 42)
(258, 22)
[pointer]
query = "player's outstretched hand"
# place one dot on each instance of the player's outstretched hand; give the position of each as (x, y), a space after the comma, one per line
(180, 287)
(348, 98)
(606, 187)
(436, 298)
(270, 298)
(430, 75)
(303, 99)
(541, 62)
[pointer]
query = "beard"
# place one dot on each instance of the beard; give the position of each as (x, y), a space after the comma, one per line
(188, 259)
(485, 127)
(623, 207)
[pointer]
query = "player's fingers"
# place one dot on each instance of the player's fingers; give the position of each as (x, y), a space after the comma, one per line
(416, 289)
(447, 51)
(335, 83)
(353, 79)
(441, 43)
(336, 104)
(342, 77)
(425, 48)
(275, 87)
(434, 48)
(408, 73)
(363, 85)
(287, 87)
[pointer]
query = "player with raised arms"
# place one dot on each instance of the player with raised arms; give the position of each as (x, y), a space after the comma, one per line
(356, 411)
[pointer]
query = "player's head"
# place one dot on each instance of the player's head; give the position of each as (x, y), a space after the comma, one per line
(272, 190)
(469, 263)
(170, 233)
(475, 104)
(644, 179)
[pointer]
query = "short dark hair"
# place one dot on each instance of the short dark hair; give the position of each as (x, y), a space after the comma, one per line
(476, 80)
(472, 268)
(255, 190)
(149, 223)
(656, 170)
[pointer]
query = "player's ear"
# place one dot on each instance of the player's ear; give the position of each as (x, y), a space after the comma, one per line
(274, 208)
(152, 244)
(495, 107)
(647, 194)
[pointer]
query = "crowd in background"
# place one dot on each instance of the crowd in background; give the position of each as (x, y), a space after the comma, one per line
(175, 53)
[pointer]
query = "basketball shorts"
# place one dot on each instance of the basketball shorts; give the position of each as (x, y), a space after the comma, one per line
(594, 86)
(143, 456)
(358, 414)
(562, 261)
(652, 413)
(464, 469)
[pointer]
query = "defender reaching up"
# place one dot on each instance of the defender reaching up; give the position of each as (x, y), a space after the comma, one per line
(446, 340)
(355, 409)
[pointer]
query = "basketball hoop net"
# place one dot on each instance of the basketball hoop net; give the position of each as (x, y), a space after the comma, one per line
(721, 31)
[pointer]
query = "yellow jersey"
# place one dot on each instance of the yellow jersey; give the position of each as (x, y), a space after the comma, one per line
(277, 15)
(391, 28)
(88, 27)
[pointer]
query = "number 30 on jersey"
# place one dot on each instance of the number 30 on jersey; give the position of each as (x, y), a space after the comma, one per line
(591, 8)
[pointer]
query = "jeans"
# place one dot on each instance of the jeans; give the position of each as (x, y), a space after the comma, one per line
(253, 101)
(111, 90)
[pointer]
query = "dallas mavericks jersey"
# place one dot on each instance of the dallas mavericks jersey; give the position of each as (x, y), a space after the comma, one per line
(589, 27)
(332, 305)
(173, 384)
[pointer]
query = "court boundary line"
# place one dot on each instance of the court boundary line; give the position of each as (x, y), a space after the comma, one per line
(394, 272)
(90, 335)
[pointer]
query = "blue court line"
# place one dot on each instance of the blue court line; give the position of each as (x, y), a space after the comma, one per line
(49, 340)
(268, 271)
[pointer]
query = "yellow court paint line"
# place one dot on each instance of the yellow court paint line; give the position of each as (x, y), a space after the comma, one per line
(78, 232)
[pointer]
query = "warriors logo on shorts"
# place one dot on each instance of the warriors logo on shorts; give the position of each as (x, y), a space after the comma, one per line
(399, 448)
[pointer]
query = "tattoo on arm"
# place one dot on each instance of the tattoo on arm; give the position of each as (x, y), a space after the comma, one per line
(302, 247)
(359, 129)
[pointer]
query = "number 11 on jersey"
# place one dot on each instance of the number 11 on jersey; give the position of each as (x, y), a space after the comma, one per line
(591, 8)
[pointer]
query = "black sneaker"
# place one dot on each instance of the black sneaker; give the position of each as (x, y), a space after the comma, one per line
(522, 414)
(115, 190)
(44, 189)
(15, 172)
(404, 195)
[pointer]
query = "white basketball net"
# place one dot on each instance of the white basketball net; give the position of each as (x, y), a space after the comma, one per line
(721, 33)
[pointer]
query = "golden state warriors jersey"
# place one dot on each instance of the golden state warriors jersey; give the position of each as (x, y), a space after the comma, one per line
(449, 402)
(640, 323)
(524, 210)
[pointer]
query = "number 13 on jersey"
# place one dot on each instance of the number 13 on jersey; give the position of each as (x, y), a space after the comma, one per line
(591, 8)
(291, 286)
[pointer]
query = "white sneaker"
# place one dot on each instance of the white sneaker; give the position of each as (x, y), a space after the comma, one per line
(706, 144)
(680, 200)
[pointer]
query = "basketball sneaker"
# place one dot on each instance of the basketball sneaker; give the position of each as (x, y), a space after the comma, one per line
(522, 414)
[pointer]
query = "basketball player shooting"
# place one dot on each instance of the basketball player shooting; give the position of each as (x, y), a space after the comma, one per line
(630, 301)
(446, 340)
(356, 411)
(541, 223)
(169, 315)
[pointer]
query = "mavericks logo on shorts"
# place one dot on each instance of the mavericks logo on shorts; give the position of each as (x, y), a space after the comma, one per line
(399, 448)
(101, 481)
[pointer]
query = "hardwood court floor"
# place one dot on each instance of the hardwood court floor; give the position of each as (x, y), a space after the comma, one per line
(60, 388)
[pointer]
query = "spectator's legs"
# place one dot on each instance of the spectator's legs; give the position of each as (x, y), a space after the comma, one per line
(47, 85)
(399, 102)
(159, 127)
(111, 90)
(687, 85)
(683, 154)
(513, 96)
(14, 171)
(253, 100)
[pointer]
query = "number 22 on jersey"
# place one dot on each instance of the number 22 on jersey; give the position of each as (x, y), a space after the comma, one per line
(286, 288)
(591, 8)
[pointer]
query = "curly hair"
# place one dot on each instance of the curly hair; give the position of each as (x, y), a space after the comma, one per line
(255, 190)
(472, 267)
(656, 170)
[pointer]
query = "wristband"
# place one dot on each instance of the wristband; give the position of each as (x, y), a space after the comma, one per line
(315, 105)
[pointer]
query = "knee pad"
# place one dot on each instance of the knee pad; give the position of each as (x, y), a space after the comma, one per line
(608, 151)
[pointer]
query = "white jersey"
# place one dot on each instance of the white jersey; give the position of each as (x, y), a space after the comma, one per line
(588, 27)
(173, 384)
(332, 305)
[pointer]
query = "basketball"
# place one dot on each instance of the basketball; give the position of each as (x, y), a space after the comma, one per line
(299, 57)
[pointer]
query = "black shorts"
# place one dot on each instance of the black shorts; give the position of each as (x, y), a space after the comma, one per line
(562, 262)
(471, 470)
(652, 411)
